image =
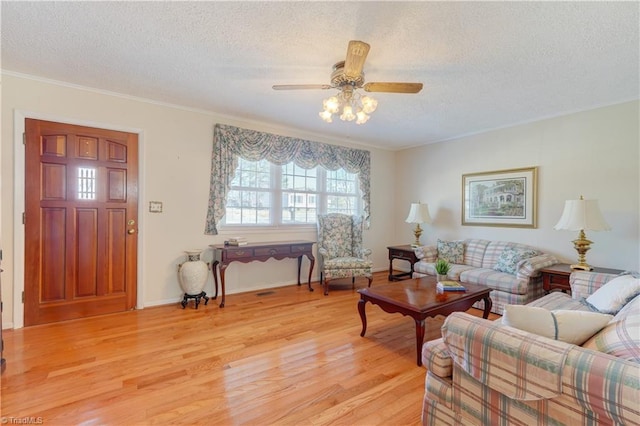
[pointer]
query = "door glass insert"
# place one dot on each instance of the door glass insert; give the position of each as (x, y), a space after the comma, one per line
(86, 183)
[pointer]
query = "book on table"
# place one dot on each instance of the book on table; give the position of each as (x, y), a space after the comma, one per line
(237, 241)
(449, 285)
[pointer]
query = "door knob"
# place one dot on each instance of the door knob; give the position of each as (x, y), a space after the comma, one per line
(131, 231)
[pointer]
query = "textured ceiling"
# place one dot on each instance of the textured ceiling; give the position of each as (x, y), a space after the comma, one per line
(484, 65)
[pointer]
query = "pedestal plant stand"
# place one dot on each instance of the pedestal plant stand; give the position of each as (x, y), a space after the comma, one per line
(192, 275)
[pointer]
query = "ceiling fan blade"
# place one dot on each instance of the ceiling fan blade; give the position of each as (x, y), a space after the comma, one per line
(356, 55)
(393, 87)
(300, 86)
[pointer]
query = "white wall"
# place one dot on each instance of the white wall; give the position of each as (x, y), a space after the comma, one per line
(593, 153)
(175, 152)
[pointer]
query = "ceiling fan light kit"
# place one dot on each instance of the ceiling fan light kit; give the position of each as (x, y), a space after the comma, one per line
(347, 77)
(351, 106)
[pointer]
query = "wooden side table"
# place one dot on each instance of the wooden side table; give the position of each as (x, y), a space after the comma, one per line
(556, 277)
(404, 252)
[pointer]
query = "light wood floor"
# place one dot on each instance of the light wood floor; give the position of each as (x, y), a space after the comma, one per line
(283, 356)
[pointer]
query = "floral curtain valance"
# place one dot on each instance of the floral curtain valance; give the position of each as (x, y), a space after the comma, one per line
(231, 142)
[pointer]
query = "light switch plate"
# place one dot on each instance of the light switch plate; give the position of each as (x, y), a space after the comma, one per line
(155, 206)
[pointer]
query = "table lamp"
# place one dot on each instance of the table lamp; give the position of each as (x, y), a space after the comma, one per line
(419, 213)
(581, 215)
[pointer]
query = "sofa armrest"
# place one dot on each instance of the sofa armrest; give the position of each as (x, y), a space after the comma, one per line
(585, 283)
(436, 358)
(364, 253)
(427, 253)
(323, 252)
(530, 267)
(520, 365)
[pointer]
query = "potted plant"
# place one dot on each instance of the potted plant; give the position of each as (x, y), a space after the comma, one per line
(442, 269)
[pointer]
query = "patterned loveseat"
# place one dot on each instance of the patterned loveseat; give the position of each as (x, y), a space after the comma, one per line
(486, 373)
(512, 270)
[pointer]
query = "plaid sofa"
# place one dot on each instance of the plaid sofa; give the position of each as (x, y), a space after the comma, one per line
(478, 267)
(484, 373)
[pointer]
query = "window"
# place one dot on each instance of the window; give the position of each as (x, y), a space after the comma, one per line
(266, 194)
(342, 194)
(249, 200)
(232, 143)
(298, 194)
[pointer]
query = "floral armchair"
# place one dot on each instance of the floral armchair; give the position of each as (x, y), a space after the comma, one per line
(340, 249)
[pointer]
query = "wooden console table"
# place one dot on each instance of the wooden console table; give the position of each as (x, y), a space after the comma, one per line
(223, 255)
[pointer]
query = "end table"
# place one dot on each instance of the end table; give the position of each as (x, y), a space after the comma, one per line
(403, 252)
(556, 277)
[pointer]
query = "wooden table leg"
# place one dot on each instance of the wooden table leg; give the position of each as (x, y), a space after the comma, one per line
(546, 283)
(223, 268)
(419, 340)
(487, 307)
(214, 269)
(391, 277)
(313, 262)
(363, 315)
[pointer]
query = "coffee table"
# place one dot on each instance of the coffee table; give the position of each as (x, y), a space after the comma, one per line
(419, 299)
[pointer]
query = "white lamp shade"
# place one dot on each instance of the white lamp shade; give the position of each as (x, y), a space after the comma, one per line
(419, 213)
(582, 215)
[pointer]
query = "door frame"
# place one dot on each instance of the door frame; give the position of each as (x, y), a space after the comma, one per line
(19, 202)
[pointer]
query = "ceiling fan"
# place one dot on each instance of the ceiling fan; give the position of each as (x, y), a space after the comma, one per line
(347, 76)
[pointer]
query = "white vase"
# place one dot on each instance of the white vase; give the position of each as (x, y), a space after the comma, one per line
(442, 277)
(193, 273)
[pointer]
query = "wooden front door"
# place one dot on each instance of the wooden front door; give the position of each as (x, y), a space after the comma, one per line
(81, 221)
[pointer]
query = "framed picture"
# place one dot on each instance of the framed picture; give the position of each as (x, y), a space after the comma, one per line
(500, 198)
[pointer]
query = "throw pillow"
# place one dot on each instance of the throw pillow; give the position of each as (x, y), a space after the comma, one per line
(573, 327)
(510, 257)
(620, 338)
(451, 251)
(614, 294)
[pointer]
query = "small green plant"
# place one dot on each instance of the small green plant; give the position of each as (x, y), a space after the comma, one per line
(442, 267)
